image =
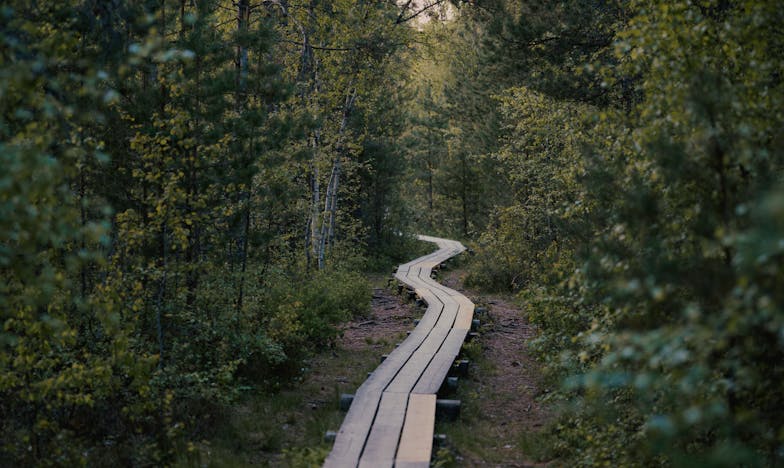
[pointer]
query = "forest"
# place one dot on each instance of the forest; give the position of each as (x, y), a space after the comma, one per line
(193, 194)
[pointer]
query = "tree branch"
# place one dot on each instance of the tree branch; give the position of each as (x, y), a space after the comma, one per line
(402, 19)
(334, 49)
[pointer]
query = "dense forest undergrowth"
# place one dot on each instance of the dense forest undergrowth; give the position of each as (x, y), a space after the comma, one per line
(193, 191)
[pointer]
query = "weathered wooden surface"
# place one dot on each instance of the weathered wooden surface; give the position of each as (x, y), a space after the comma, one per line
(416, 441)
(390, 422)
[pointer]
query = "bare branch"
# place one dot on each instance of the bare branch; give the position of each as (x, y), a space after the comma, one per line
(402, 19)
(403, 12)
(334, 49)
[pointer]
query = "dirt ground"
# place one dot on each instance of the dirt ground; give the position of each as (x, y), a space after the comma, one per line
(500, 410)
(388, 323)
(499, 417)
(371, 337)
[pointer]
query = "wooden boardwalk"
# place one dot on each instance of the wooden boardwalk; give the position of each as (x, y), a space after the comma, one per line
(390, 421)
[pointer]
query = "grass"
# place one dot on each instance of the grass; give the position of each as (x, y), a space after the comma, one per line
(481, 435)
(474, 435)
(286, 428)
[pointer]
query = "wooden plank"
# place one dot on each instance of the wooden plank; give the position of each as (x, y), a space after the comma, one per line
(430, 317)
(409, 374)
(430, 257)
(465, 313)
(412, 464)
(380, 416)
(434, 285)
(437, 240)
(416, 439)
(426, 281)
(453, 246)
(438, 368)
(426, 295)
(352, 435)
(430, 264)
(397, 358)
(413, 369)
(382, 442)
(437, 289)
(448, 315)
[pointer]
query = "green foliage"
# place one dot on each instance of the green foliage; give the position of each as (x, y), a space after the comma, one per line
(297, 315)
(531, 237)
(452, 123)
(444, 458)
(69, 375)
(306, 457)
(642, 145)
(154, 192)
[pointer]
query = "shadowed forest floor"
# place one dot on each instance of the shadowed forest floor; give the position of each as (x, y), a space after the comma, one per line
(500, 415)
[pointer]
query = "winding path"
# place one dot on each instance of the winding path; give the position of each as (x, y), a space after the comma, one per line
(390, 421)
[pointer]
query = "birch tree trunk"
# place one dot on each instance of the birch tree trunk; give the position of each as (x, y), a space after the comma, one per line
(308, 75)
(327, 232)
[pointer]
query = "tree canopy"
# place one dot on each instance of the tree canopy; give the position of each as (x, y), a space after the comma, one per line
(192, 190)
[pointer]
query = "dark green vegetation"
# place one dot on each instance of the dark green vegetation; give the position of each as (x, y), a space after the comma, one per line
(190, 190)
(632, 155)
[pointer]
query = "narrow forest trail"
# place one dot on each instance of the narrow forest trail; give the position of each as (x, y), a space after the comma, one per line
(392, 416)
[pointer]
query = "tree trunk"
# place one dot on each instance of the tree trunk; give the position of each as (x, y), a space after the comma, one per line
(429, 184)
(327, 230)
(322, 235)
(241, 61)
(308, 75)
(315, 190)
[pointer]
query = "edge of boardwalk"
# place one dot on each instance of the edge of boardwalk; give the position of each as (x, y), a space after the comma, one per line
(390, 421)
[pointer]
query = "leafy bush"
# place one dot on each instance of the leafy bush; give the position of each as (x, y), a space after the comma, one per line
(296, 315)
(305, 457)
(646, 229)
(679, 350)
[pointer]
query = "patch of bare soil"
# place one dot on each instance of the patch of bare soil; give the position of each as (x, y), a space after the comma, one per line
(500, 407)
(359, 349)
(389, 320)
(363, 342)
